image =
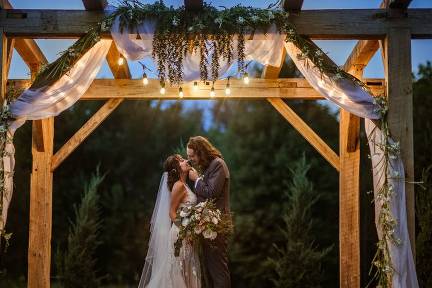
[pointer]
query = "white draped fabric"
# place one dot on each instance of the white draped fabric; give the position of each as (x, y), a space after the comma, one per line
(50, 101)
(357, 101)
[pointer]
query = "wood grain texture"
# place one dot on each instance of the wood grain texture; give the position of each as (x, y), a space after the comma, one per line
(317, 24)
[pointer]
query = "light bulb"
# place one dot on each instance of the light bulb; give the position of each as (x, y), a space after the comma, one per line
(195, 86)
(120, 61)
(162, 90)
(181, 94)
(246, 78)
(212, 92)
(227, 90)
(145, 79)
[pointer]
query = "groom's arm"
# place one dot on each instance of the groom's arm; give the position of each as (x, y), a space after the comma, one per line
(212, 185)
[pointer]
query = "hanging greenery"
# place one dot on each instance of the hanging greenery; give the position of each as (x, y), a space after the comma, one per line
(221, 34)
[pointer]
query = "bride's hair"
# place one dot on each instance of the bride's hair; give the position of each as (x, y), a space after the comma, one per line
(204, 149)
(172, 166)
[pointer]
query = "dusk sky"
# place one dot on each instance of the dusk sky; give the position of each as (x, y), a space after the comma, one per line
(336, 49)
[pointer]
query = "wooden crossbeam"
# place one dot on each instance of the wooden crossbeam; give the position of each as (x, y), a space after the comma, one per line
(292, 5)
(317, 24)
(27, 48)
(119, 71)
(288, 88)
(84, 132)
(306, 132)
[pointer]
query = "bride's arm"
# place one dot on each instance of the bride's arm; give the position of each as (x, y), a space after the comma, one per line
(177, 195)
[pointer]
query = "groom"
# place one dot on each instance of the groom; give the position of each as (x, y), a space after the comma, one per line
(212, 184)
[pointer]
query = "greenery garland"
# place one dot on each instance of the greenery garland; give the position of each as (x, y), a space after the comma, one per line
(179, 32)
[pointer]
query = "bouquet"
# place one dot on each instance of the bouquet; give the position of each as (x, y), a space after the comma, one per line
(202, 221)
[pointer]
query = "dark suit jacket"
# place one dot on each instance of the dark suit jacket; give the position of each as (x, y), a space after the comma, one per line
(215, 185)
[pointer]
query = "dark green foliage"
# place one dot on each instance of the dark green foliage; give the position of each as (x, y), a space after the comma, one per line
(77, 266)
(423, 169)
(260, 148)
(305, 270)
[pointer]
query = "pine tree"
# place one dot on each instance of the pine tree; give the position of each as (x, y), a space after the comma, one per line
(77, 266)
(298, 261)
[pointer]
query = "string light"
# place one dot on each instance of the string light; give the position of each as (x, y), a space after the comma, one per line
(120, 61)
(246, 78)
(162, 89)
(212, 91)
(228, 88)
(145, 79)
(195, 86)
(181, 94)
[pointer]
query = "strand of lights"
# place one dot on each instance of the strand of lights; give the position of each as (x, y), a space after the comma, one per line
(246, 78)
(227, 87)
(181, 94)
(162, 89)
(145, 79)
(212, 91)
(120, 60)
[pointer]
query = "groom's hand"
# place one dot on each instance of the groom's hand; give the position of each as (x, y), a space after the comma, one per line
(193, 175)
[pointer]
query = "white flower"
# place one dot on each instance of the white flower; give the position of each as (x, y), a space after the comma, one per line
(215, 220)
(198, 229)
(319, 53)
(271, 15)
(209, 234)
(175, 21)
(185, 212)
(185, 222)
(219, 21)
(255, 18)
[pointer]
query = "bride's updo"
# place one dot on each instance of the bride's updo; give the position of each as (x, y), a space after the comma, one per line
(172, 166)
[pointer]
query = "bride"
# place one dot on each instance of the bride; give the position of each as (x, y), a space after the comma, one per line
(162, 268)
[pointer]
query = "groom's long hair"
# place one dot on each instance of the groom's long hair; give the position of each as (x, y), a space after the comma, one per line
(204, 149)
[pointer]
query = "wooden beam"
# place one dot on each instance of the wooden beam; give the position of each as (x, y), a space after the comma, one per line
(119, 71)
(317, 24)
(10, 49)
(3, 68)
(306, 132)
(193, 5)
(288, 88)
(39, 251)
(397, 51)
(398, 4)
(27, 48)
(292, 5)
(84, 132)
(349, 205)
(349, 188)
(95, 4)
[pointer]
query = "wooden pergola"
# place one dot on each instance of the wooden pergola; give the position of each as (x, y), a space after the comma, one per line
(390, 27)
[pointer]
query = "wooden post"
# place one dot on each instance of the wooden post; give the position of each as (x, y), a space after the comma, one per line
(397, 62)
(39, 251)
(349, 196)
(3, 68)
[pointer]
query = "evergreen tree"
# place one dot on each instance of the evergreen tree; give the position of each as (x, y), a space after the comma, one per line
(298, 261)
(77, 265)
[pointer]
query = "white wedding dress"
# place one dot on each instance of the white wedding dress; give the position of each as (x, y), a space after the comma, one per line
(162, 267)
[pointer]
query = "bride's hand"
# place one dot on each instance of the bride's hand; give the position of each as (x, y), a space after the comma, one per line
(193, 174)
